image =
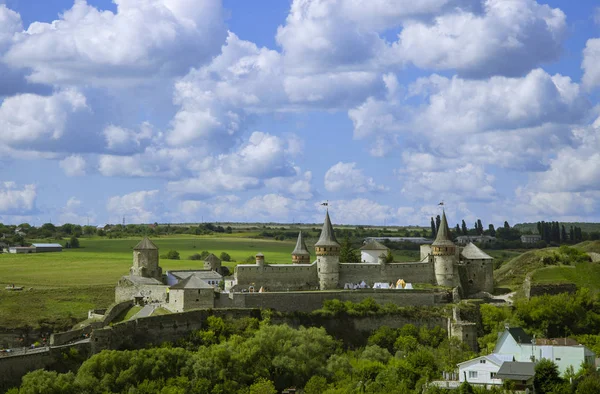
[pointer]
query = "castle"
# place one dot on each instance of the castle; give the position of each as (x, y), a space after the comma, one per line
(466, 269)
(442, 263)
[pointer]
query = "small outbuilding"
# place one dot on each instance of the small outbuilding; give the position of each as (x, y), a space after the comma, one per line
(21, 249)
(40, 248)
(191, 293)
(370, 252)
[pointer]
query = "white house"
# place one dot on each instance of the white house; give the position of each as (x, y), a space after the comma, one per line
(482, 370)
(531, 238)
(564, 352)
(370, 252)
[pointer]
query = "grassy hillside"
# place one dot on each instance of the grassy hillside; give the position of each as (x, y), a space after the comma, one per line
(583, 274)
(585, 227)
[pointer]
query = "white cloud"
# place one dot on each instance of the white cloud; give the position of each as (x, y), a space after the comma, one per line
(298, 187)
(74, 212)
(101, 47)
(359, 211)
(468, 182)
(510, 38)
(591, 59)
(73, 165)
(30, 117)
(15, 200)
(136, 207)
(345, 177)
(119, 139)
(152, 162)
(10, 23)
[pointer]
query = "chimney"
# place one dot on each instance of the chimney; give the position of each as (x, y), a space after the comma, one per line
(260, 259)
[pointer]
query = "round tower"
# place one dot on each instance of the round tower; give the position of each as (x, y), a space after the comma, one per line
(145, 260)
(444, 255)
(260, 259)
(300, 255)
(327, 250)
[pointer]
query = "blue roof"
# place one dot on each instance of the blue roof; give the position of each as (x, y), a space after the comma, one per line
(47, 245)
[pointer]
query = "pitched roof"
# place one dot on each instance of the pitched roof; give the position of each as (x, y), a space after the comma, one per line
(327, 237)
(301, 249)
(374, 245)
(519, 335)
(491, 357)
(556, 341)
(472, 252)
(443, 235)
(47, 245)
(191, 282)
(142, 280)
(516, 370)
(211, 258)
(202, 274)
(145, 244)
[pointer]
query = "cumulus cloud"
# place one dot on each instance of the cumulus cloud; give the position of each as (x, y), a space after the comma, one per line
(298, 187)
(73, 165)
(137, 207)
(10, 24)
(345, 177)
(16, 200)
(510, 38)
(119, 139)
(28, 117)
(101, 47)
(74, 212)
(591, 59)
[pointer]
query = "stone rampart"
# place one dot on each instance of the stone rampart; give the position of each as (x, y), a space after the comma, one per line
(307, 301)
(417, 272)
(14, 367)
(138, 333)
(277, 277)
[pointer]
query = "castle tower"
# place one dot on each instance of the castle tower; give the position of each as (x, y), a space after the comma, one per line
(301, 255)
(444, 255)
(212, 262)
(328, 257)
(260, 259)
(145, 260)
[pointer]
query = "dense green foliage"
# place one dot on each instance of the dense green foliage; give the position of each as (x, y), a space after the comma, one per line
(245, 357)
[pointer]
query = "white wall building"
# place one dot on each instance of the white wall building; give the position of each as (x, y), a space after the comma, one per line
(482, 370)
(370, 252)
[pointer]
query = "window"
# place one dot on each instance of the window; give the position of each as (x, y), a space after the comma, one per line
(557, 358)
(481, 361)
(492, 375)
(472, 374)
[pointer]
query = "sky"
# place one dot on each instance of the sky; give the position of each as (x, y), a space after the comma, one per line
(182, 111)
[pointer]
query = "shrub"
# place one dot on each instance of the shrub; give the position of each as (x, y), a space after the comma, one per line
(225, 256)
(172, 255)
(195, 256)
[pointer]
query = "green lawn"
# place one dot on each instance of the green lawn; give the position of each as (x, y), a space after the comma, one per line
(582, 274)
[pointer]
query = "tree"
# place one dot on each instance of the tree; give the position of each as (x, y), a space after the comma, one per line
(433, 232)
(74, 241)
(437, 223)
(492, 230)
(347, 253)
(563, 234)
(465, 230)
(262, 386)
(316, 385)
(224, 256)
(479, 227)
(546, 377)
(506, 225)
(172, 255)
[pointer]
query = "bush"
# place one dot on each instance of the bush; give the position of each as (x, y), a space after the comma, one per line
(74, 242)
(172, 255)
(195, 256)
(225, 256)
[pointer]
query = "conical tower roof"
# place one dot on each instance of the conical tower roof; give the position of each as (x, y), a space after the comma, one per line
(443, 234)
(145, 244)
(301, 249)
(327, 237)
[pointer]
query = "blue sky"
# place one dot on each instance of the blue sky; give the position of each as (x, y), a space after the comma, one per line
(181, 111)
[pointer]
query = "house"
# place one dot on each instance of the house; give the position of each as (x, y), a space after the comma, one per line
(530, 238)
(47, 247)
(482, 239)
(564, 352)
(210, 277)
(370, 252)
(191, 293)
(482, 370)
(21, 249)
(415, 240)
(521, 373)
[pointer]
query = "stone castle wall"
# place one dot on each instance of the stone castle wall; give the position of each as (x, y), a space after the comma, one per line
(277, 277)
(153, 292)
(476, 276)
(310, 300)
(371, 273)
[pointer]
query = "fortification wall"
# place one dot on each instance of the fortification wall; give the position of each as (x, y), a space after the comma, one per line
(14, 367)
(277, 277)
(138, 333)
(371, 273)
(476, 276)
(308, 301)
